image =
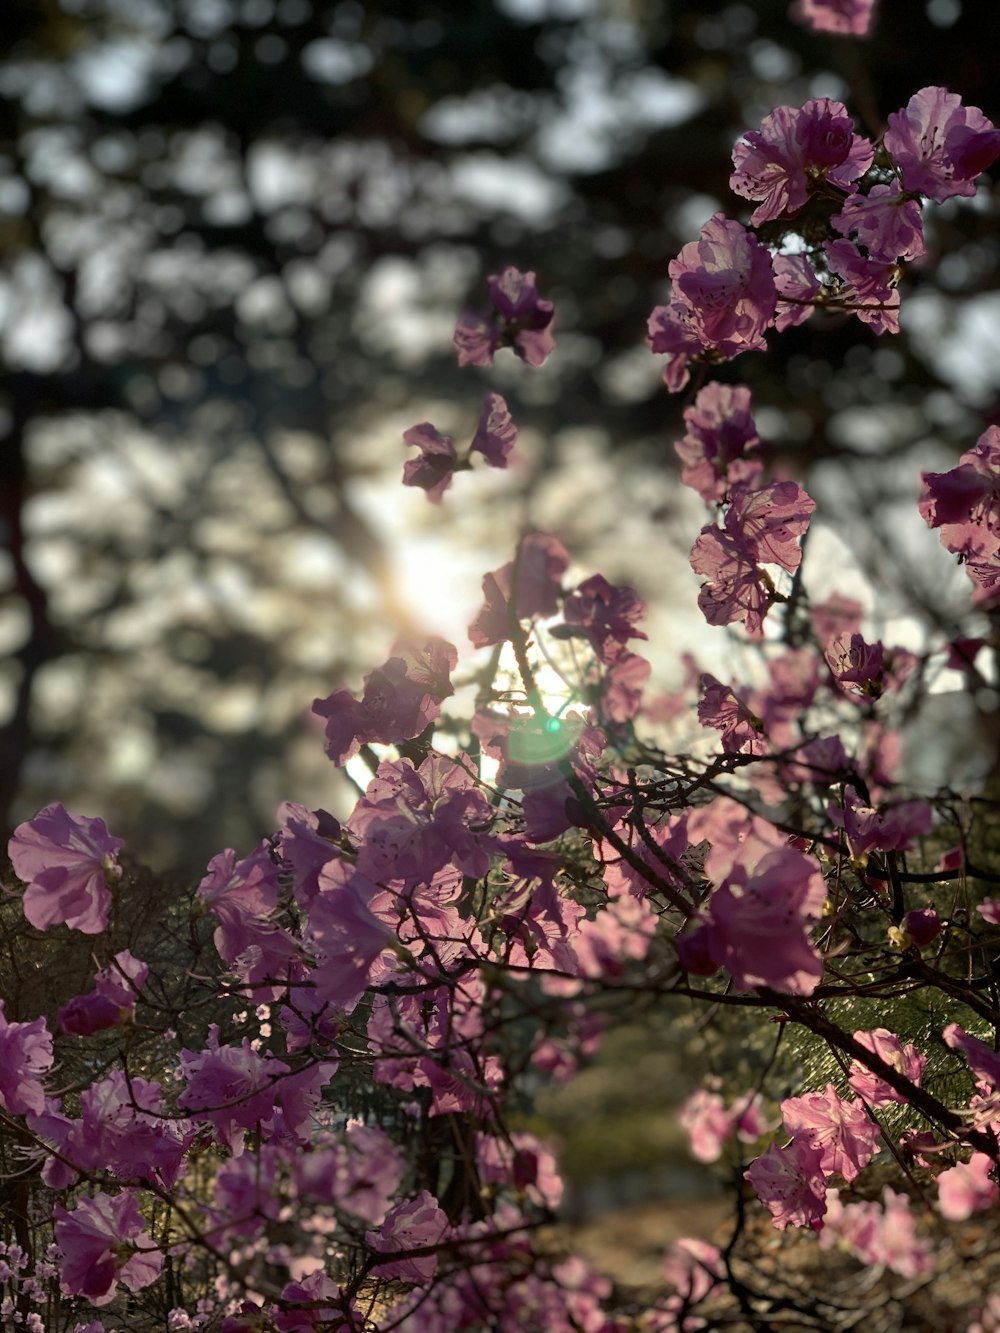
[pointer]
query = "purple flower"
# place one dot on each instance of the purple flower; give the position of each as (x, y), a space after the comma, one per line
(885, 221)
(719, 707)
(604, 614)
(104, 1241)
(66, 861)
(724, 298)
(867, 286)
(887, 1046)
(965, 504)
(799, 290)
(400, 699)
(25, 1052)
(537, 572)
(418, 1225)
(496, 433)
(842, 1130)
(794, 151)
(851, 18)
(855, 662)
(939, 145)
(720, 431)
(789, 1182)
(432, 470)
(737, 589)
(521, 320)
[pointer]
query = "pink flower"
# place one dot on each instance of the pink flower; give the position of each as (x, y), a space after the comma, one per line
(885, 221)
(104, 1241)
(401, 698)
(983, 1060)
(723, 299)
(344, 934)
(521, 320)
(842, 1130)
(496, 433)
(693, 1268)
(887, 1046)
(965, 504)
(720, 707)
(855, 662)
(799, 290)
(939, 145)
(849, 17)
(25, 1052)
(886, 830)
(967, 1188)
(880, 1235)
(737, 589)
(533, 582)
(432, 470)
(710, 1126)
(420, 1225)
(794, 151)
(720, 431)
(789, 1182)
(66, 861)
(867, 286)
(604, 614)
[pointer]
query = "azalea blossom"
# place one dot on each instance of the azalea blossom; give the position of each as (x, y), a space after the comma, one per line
(790, 1184)
(720, 435)
(795, 150)
(724, 298)
(104, 1241)
(851, 18)
(66, 861)
(939, 145)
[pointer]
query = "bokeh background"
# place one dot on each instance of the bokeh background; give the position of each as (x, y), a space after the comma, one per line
(234, 239)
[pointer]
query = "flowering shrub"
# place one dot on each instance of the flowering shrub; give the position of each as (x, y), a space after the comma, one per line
(330, 1137)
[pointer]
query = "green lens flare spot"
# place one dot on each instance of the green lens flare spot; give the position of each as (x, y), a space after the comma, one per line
(552, 725)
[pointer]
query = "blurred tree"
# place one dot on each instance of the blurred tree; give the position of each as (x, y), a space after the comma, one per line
(235, 235)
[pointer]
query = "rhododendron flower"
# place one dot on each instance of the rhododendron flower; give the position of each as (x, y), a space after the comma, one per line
(25, 1052)
(757, 921)
(521, 321)
(496, 433)
(532, 582)
(842, 1130)
(887, 1046)
(965, 504)
(799, 290)
(400, 699)
(890, 829)
(967, 1188)
(104, 1241)
(345, 935)
(921, 926)
(720, 707)
(231, 1086)
(693, 1268)
(851, 18)
(720, 432)
(939, 145)
(761, 527)
(710, 1125)
(885, 221)
(724, 298)
(432, 470)
(66, 861)
(983, 1060)
(880, 1235)
(419, 1224)
(789, 1182)
(116, 990)
(793, 152)
(867, 286)
(855, 662)
(604, 614)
